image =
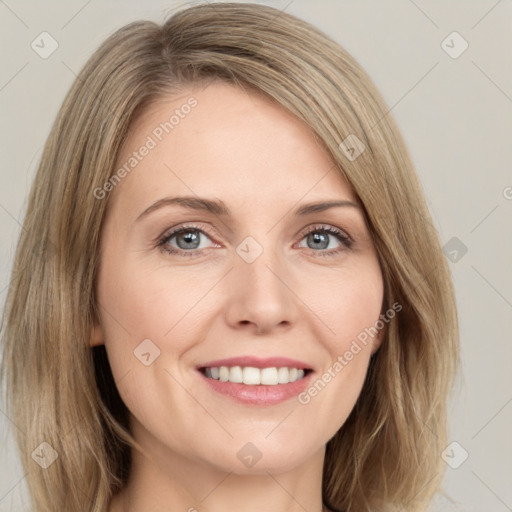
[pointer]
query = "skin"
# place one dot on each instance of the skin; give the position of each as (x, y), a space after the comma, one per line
(291, 301)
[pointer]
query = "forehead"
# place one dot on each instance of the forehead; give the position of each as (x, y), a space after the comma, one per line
(224, 141)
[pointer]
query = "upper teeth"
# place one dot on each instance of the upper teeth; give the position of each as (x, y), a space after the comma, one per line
(254, 376)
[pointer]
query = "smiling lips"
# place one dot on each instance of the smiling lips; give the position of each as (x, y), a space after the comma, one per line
(254, 381)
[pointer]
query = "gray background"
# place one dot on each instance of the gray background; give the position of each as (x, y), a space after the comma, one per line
(455, 114)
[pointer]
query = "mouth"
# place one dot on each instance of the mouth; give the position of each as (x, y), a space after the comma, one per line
(253, 376)
(256, 382)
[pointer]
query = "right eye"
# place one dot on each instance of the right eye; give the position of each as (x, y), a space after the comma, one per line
(184, 241)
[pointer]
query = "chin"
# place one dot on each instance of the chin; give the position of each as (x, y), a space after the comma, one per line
(263, 457)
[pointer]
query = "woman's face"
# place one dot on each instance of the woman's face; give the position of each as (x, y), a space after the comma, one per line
(255, 275)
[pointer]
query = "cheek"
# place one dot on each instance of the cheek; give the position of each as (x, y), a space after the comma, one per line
(137, 303)
(145, 317)
(348, 302)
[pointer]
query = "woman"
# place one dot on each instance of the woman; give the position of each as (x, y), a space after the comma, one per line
(228, 293)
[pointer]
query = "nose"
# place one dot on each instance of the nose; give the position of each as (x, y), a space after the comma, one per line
(260, 296)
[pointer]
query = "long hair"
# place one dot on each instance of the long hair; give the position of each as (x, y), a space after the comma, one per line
(61, 392)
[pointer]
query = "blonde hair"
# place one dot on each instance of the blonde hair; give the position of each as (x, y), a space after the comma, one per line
(60, 391)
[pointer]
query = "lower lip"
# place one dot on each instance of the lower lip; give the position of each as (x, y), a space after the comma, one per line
(259, 394)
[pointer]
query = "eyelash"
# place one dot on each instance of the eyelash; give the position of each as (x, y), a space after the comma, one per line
(345, 240)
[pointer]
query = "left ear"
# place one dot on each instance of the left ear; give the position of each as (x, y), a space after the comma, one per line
(379, 338)
(97, 337)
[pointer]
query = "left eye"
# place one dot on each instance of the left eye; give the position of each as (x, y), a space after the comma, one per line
(320, 238)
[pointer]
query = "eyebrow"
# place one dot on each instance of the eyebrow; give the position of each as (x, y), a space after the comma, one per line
(218, 207)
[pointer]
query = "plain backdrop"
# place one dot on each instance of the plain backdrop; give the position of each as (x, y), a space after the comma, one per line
(454, 108)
